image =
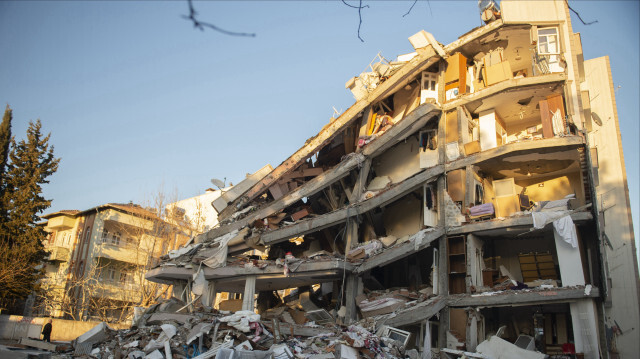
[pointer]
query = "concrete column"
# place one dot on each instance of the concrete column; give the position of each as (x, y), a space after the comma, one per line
(354, 288)
(249, 293)
(585, 328)
(178, 289)
(443, 327)
(569, 262)
(352, 234)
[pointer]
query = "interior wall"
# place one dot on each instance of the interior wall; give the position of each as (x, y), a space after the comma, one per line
(400, 162)
(553, 188)
(403, 217)
(475, 260)
(458, 321)
(514, 128)
(508, 250)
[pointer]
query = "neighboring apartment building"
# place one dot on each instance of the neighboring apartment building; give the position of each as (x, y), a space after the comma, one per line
(195, 213)
(462, 173)
(98, 258)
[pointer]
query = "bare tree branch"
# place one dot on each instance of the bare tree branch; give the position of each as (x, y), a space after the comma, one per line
(578, 15)
(201, 24)
(411, 8)
(359, 7)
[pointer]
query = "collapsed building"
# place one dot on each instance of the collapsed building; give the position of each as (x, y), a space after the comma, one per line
(472, 189)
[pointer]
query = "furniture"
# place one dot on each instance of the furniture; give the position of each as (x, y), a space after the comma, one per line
(455, 75)
(457, 257)
(492, 130)
(456, 181)
(537, 266)
(507, 202)
(525, 203)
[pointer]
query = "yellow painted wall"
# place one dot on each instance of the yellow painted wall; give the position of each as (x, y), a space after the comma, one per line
(553, 188)
(400, 162)
(403, 217)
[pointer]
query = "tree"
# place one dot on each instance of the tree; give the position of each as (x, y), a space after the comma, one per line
(31, 162)
(5, 140)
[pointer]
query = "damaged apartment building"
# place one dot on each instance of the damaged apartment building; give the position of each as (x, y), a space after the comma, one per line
(474, 188)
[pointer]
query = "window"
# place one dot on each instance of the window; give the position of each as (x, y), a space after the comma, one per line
(125, 276)
(428, 140)
(105, 235)
(549, 48)
(110, 274)
(116, 238)
(548, 41)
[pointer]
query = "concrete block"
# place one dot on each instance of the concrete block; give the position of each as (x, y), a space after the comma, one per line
(159, 318)
(94, 335)
(501, 349)
(38, 344)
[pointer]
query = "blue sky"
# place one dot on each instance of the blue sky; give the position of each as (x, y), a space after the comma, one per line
(137, 99)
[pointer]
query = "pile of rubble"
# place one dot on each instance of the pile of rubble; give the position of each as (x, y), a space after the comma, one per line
(162, 331)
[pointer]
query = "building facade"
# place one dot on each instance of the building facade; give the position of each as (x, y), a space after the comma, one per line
(195, 213)
(473, 188)
(97, 261)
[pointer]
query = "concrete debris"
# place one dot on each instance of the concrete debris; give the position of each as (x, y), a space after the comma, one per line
(243, 334)
(39, 344)
(498, 348)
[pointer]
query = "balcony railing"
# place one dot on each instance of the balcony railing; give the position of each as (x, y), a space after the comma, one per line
(58, 253)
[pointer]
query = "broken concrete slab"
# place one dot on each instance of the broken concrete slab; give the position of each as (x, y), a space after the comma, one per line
(7, 353)
(498, 348)
(159, 318)
(94, 335)
(38, 344)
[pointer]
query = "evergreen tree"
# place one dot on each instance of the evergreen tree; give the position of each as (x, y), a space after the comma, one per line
(5, 140)
(31, 162)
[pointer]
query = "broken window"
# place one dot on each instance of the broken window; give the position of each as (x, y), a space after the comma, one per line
(549, 47)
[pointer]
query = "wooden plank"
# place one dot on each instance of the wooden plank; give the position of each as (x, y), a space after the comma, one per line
(341, 215)
(545, 117)
(425, 58)
(515, 83)
(300, 214)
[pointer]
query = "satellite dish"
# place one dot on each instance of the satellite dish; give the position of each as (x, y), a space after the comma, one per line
(218, 183)
(596, 118)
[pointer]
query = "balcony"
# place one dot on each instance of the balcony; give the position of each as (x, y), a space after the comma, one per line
(61, 223)
(117, 290)
(122, 253)
(59, 254)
